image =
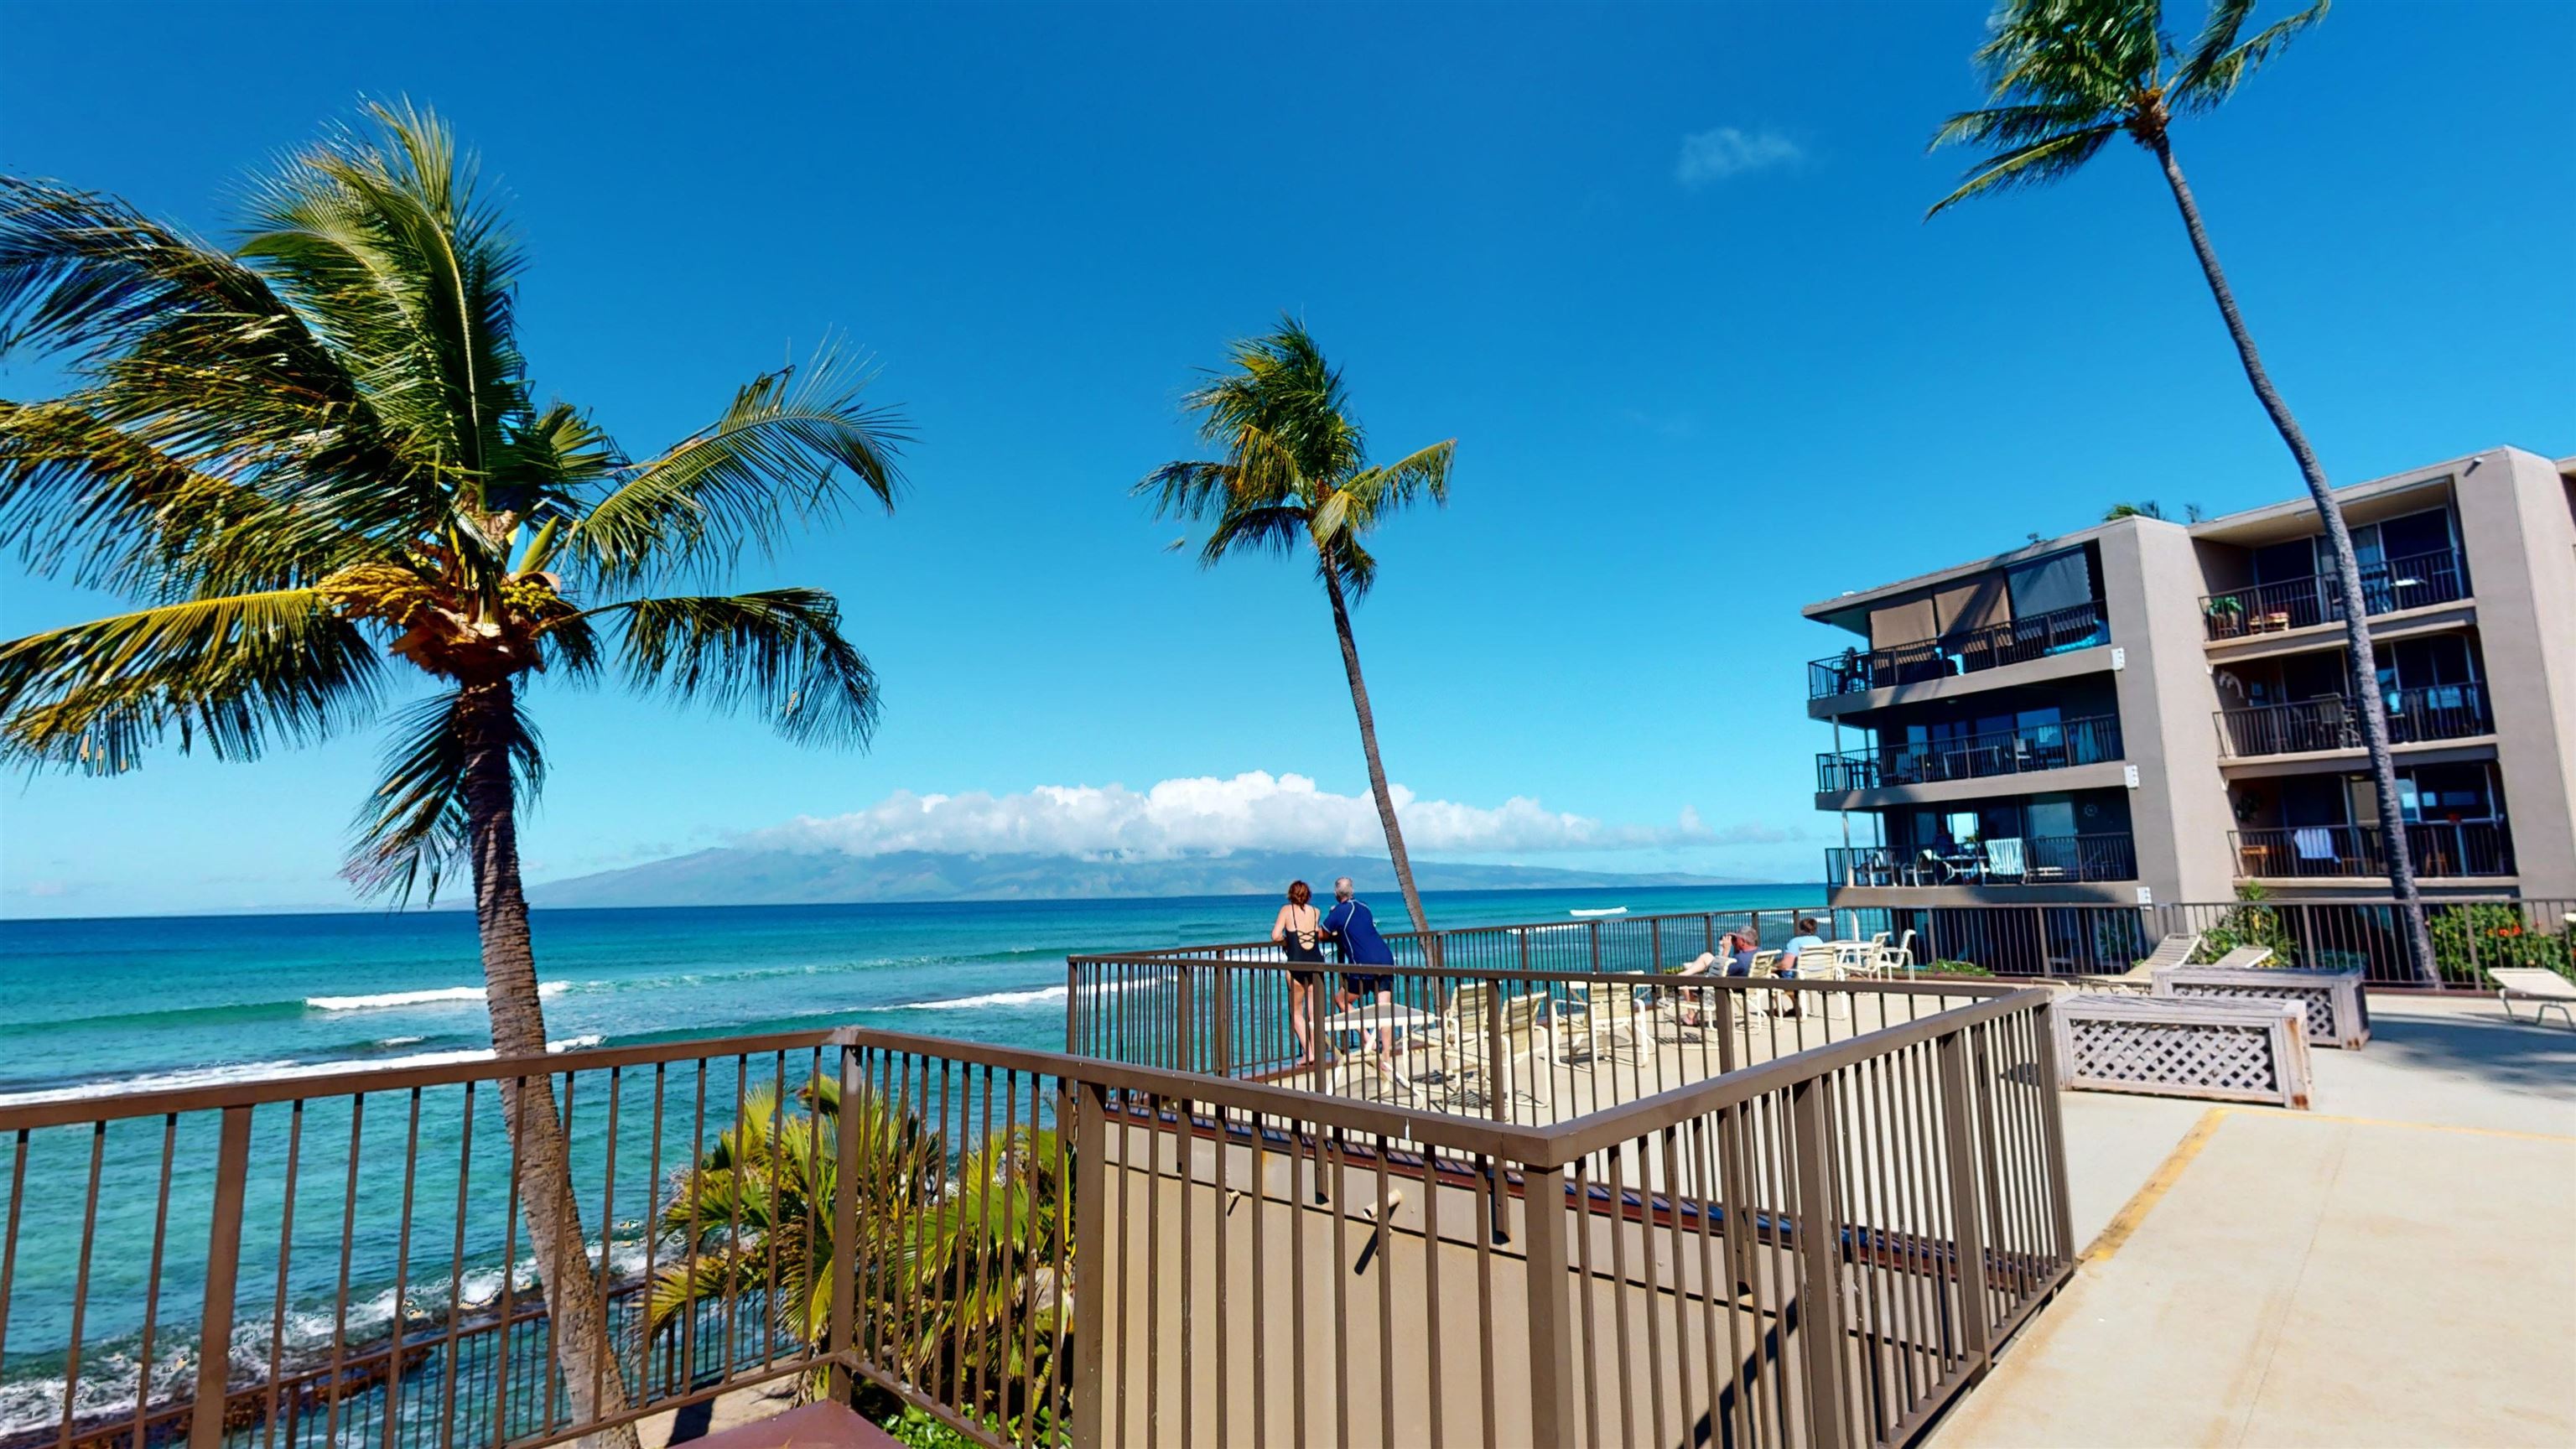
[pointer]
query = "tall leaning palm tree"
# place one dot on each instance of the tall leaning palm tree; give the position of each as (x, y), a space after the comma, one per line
(1295, 479)
(315, 463)
(2066, 78)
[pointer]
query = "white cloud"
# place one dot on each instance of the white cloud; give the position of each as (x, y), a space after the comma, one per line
(1713, 156)
(1208, 816)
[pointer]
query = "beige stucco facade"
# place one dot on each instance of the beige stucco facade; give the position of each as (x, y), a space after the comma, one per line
(2189, 727)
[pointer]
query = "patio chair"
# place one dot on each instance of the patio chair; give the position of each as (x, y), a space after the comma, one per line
(2546, 989)
(2174, 950)
(1571, 1017)
(1896, 958)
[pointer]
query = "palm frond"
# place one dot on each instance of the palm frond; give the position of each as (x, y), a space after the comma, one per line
(413, 831)
(2217, 64)
(234, 671)
(380, 239)
(194, 355)
(778, 456)
(83, 498)
(1279, 530)
(779, 650)
(2048, 159)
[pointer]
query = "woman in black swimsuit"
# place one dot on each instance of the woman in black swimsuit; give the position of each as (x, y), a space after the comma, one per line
(1299, 930)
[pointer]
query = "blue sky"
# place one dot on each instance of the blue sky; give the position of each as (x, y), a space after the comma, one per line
(1661, 270)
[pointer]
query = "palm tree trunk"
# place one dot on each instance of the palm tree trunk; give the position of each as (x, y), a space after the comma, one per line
(2356, 613)
(1376, 769)
(541, 1157)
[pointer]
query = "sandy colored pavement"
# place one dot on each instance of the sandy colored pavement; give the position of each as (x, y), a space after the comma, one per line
(2395, 1267)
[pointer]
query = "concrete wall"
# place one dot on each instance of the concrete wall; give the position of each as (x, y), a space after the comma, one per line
(2178, 814)
(2521, 544)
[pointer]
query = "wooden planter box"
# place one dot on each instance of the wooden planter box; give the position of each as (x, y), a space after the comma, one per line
(2337, 1016)
(2229, 1051)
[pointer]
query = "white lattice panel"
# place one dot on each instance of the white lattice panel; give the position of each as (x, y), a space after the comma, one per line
(2252, 1051)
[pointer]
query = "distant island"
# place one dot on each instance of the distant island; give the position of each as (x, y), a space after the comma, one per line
(749, 877)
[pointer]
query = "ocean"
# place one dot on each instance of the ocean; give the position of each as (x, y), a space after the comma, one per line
(93, 1007)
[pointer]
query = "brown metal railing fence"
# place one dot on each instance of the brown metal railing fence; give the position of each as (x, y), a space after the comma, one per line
(1043, 1248)
(2359, 934)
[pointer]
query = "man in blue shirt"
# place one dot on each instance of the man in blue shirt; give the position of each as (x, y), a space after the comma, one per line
(1353, 930)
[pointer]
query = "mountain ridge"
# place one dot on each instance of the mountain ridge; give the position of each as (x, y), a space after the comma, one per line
(739, 876)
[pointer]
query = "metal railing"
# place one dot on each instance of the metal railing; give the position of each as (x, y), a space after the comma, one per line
(1822, 1247)
(2045, 860)
(2415, 716)
(2362, 933)
(2386, 587)
(2014, 641)
(2088, 741)
(2440, 849)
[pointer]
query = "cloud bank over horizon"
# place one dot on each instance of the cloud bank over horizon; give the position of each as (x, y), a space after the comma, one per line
(1205, 815)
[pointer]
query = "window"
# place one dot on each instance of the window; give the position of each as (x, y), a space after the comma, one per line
(2045, 585)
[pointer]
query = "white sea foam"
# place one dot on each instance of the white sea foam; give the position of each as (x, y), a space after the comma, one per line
(395, 1041)
(990, 998)
(430, 996)
(252, 1071)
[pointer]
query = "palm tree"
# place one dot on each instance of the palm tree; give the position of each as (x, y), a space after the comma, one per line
(953, 1275)
(316, 465)
(2065, 78)
(1295, 477)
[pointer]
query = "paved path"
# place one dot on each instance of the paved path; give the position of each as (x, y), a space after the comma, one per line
(2398, 1267)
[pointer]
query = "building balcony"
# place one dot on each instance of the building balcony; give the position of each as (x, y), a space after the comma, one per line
(2386, 587)
(2415, 716)
(2089, 741)
(2441, 850)
(2033, 861)
(2014, 641)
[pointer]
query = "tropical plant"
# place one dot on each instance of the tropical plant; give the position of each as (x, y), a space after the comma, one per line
(316, 463)
(1295, 478)
(953, 1275)
(2148, 508)
(2470, 939)
(2250, 922)
(2066, 77)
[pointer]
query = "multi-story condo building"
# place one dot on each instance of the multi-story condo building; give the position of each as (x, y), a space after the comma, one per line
(2148, 711)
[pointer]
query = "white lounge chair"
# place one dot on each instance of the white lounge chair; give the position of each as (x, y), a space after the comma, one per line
(2546, 989)
(2243, 958)
(2173, 950)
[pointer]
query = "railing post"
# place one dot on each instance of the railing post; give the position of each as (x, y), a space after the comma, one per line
(1222, 1027)
(845, 1227)
(1551, 1326)
(1596, 947)
(1185, 1054)
(1820, 1261)
(223, 1265)
(1072, 1006)
(1090, 1102)
(1967, 1214)
(1498, 1082)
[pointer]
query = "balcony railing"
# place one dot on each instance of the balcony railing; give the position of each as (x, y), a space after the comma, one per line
(2398, 583)
(1036, 1248)
(2015, 641)
(2439, 849)
(2037, 860)
(2415, 716)
(2088, 741)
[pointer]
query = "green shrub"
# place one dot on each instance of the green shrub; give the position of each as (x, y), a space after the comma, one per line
(1956, 968)
(2467, 939)
(2250, 923)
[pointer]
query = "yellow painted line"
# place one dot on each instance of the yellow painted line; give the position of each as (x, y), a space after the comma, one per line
(2143, 1201)
(2504, 1132)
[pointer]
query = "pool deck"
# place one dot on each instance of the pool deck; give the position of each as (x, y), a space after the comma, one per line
(2395, 1267)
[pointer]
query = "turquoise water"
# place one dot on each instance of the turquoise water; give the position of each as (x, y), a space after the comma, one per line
(94, 1007)
(100, 1005)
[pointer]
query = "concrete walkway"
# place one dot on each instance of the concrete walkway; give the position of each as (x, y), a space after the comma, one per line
(2397, 1267)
